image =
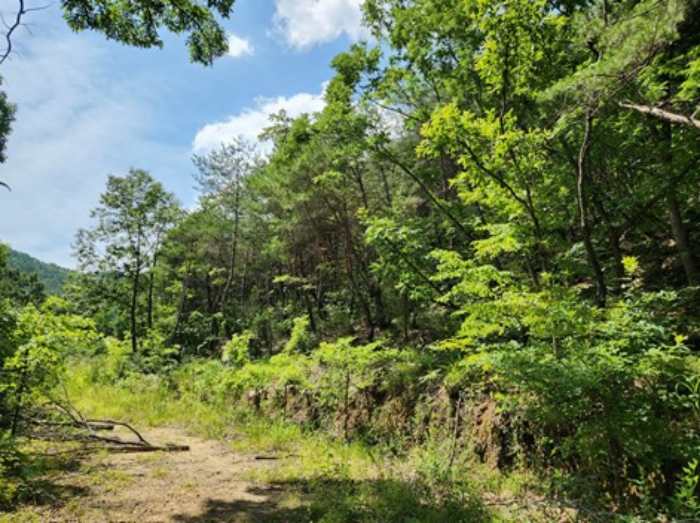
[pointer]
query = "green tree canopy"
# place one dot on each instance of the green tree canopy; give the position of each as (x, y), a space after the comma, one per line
(133, 217)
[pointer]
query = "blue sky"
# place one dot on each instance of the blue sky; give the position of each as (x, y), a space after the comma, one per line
(88, 107)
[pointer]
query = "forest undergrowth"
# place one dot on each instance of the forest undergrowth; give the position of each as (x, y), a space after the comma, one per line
(339, 479)
(386, 434)
(603, 429)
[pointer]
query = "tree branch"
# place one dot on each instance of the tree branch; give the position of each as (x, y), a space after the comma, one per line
(11, 29)
(662, 114)
(23, 10)
(397, 162)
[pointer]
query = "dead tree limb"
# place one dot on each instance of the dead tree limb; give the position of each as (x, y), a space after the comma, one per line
(120, 424)
(76, 420)
(97, 426)
(11, 28)
(663, 114)
(123, 449)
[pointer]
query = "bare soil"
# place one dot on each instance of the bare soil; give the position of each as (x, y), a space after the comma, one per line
(208, 483)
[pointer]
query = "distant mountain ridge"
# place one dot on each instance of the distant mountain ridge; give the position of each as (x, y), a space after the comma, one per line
(51, 275)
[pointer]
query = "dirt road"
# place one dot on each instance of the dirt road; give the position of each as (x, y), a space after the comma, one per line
(208, 483)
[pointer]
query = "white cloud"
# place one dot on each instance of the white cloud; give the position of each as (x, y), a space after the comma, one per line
(307, 22)
(252, 121)
(239, 47)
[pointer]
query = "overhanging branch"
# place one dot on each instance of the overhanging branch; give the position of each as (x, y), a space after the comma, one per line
(662, 114)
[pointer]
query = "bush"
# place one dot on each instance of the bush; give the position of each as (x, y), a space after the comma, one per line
(601, 395)
(300, 340)
(237, 351)
(10, 471)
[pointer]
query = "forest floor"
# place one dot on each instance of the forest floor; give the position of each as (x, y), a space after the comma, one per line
(208, 483)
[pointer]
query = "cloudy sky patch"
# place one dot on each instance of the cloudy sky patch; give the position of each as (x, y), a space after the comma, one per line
(308, 22)
(74, 125)
(88, 107)
(252, 121)
(239, 47)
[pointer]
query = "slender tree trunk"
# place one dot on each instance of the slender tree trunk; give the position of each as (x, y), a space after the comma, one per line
(613, 235)
(678, 227)
(151, 281)
(364, 304)
(310, 313)
(211, 310)
(134, 305)
(680, 235)
(584, 224)
(18, 399)
(234, 245)
(149, 313)
(181, 302)
(373, 287)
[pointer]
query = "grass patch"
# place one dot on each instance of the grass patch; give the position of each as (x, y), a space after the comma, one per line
(40, 484)
(147, 400)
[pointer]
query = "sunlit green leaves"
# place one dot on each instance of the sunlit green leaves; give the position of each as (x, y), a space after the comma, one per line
(520, 40)
(36, 348)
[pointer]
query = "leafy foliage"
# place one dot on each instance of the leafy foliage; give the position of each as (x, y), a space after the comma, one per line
(138, 24)
(118, 255)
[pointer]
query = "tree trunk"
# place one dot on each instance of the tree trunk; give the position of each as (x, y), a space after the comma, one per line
(132, 311)
(678, 228)
(151, 281)
(181, 303)
(584, 224)
(680, 235)
(211, 310)
(234, 245)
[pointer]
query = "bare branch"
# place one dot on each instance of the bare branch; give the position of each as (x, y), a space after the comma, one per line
(11, 29)
(23, 10)
(662, 114)
(102, 422)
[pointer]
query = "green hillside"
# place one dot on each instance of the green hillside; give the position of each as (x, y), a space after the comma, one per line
(51, 275)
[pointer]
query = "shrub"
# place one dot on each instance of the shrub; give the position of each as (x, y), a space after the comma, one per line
(237, 351)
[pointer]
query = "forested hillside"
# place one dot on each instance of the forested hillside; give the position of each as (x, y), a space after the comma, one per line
(485, 246)
(51, 275)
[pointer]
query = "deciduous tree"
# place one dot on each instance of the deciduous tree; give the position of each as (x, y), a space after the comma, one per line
(134, 214)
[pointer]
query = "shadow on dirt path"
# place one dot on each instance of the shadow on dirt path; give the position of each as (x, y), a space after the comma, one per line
(207, 483)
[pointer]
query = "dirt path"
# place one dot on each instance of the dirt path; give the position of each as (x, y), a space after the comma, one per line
(209, 483)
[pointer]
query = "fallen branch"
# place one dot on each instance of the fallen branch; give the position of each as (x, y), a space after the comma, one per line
(78, 420)
(97, 426)
(274, 458)
(152, 448)
(120, 424)
(80, 428)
